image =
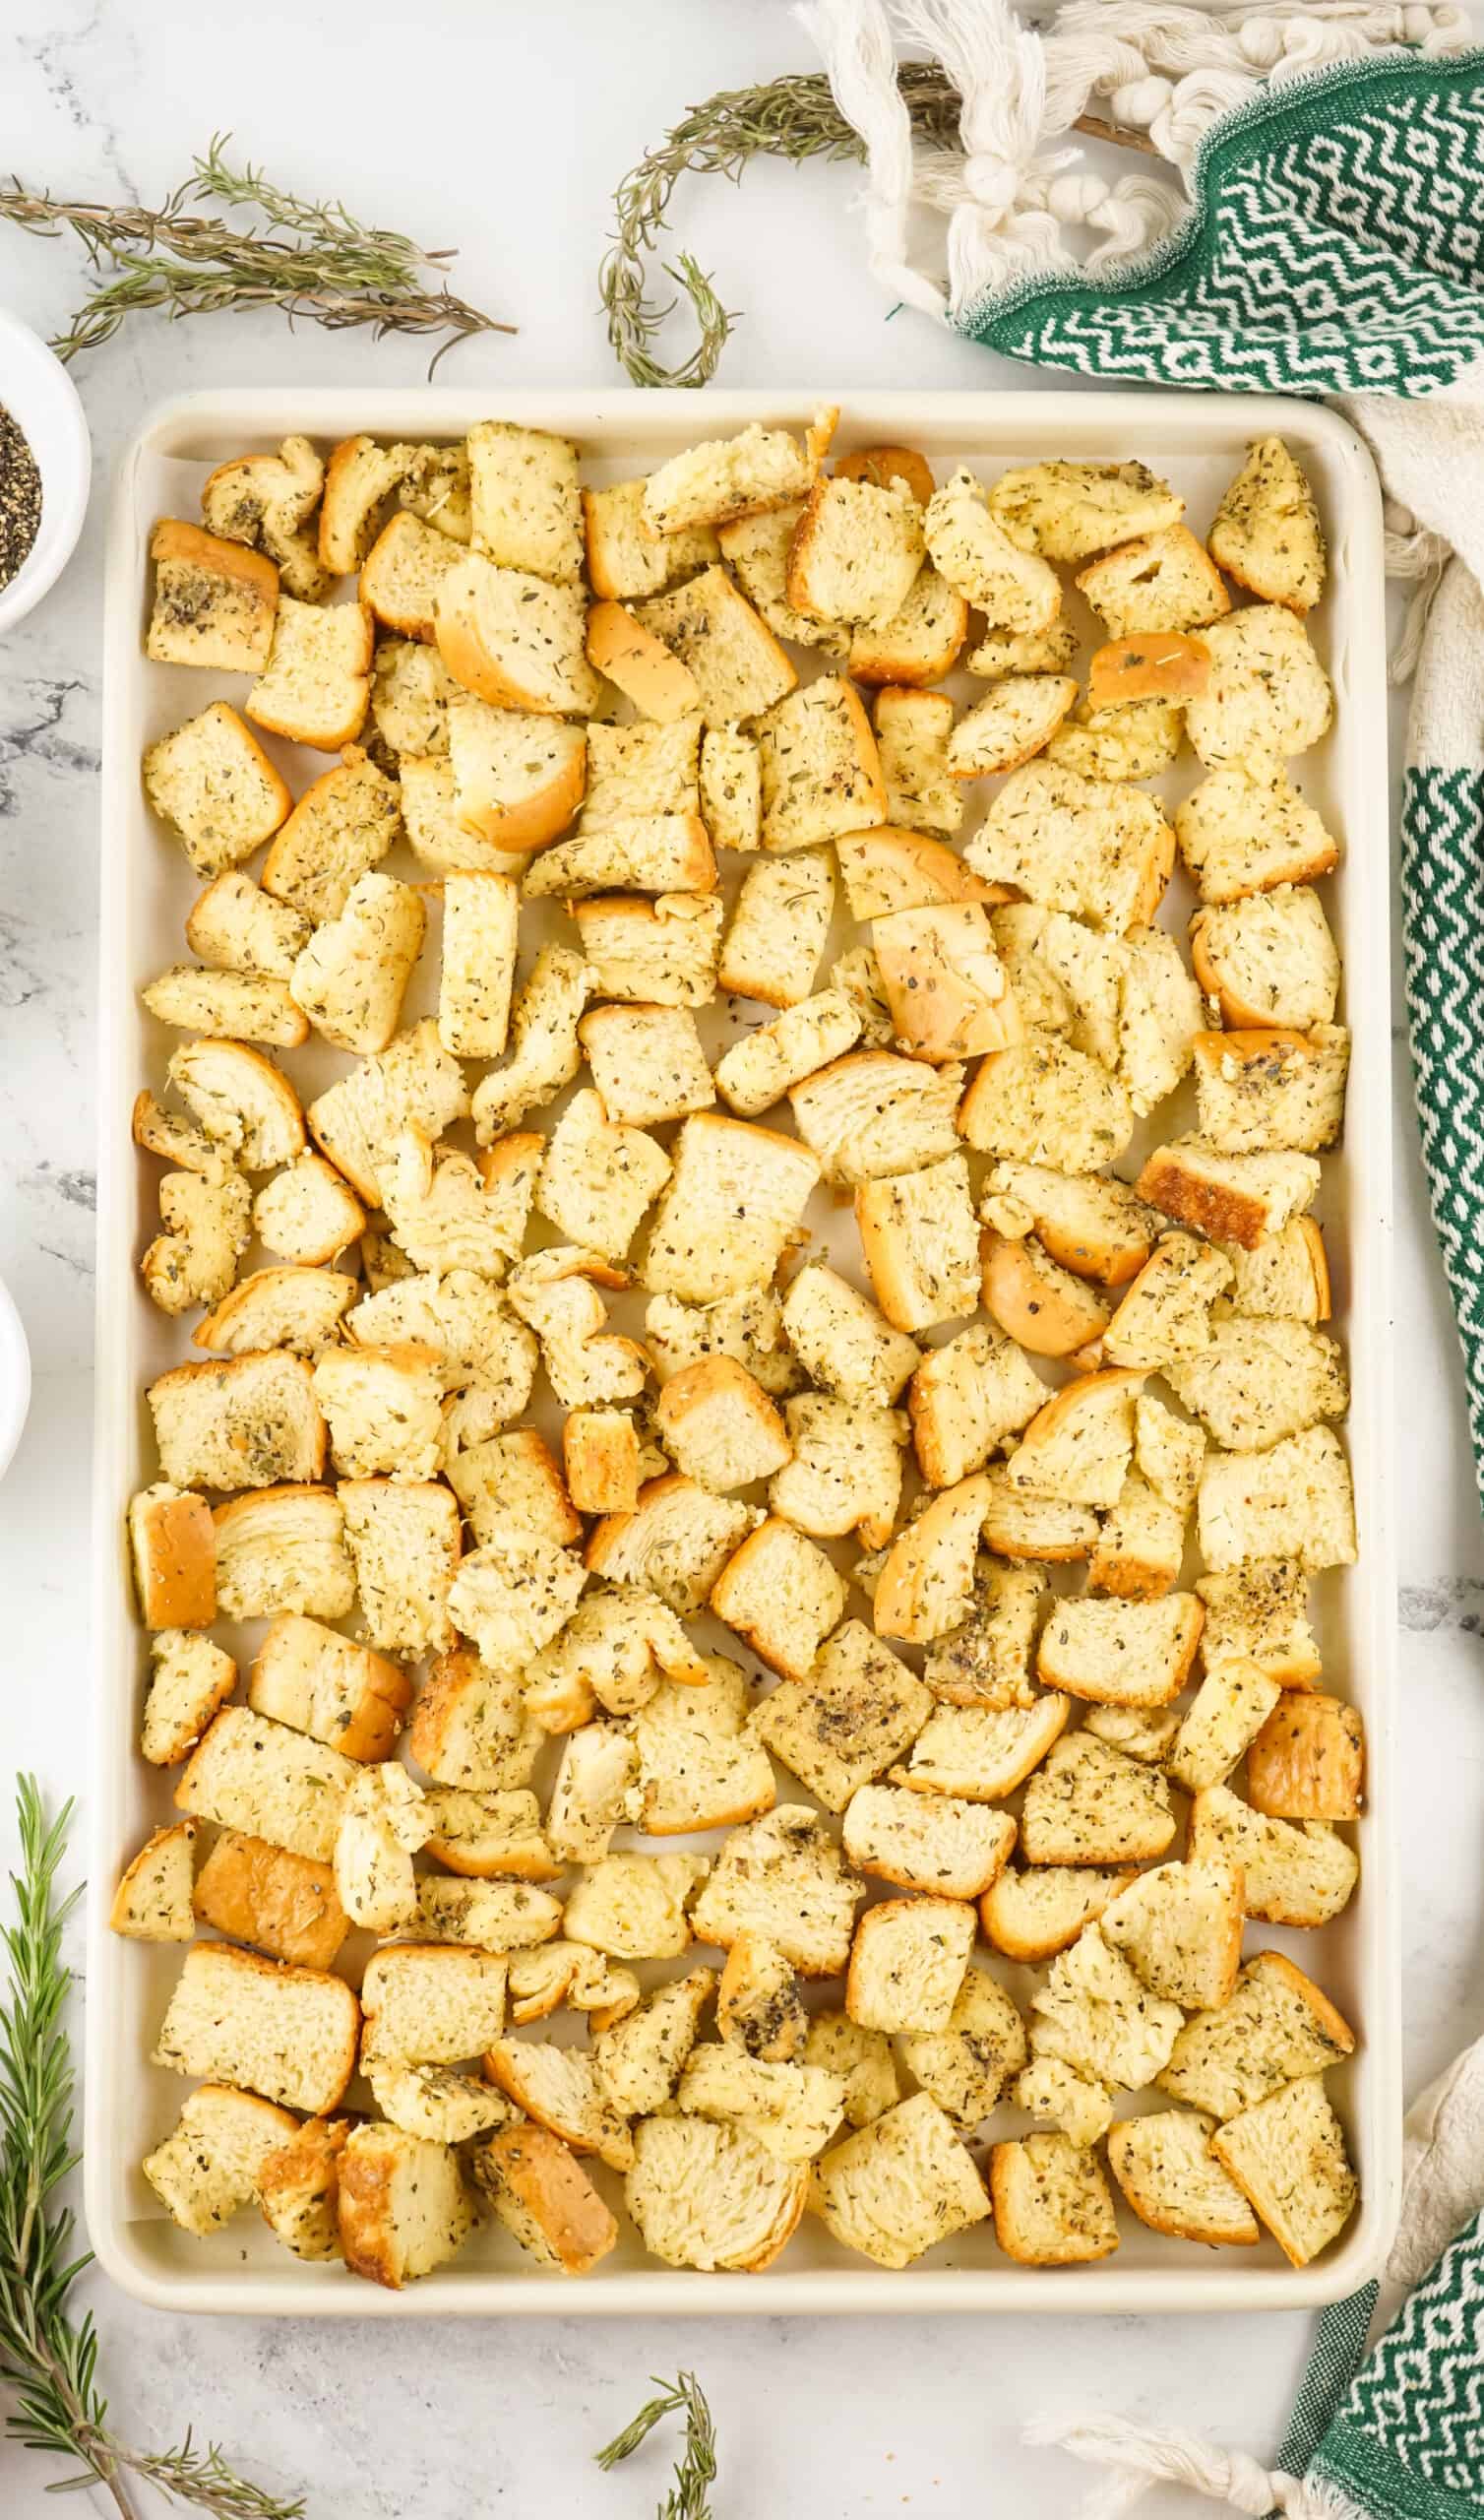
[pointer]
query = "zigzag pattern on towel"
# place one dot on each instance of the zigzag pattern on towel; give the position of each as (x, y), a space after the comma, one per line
(1334, 252)
(1418, 2402)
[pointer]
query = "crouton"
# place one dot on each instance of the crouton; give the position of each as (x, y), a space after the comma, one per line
(1173, 2181)
(287, 2033)
(725, 1169)
(770, 1061)
(965, 1399)
(1067, 511)
(359, 481)
(247, 1106)
(1267, 531)
(1031, 1912)
(600, 1453)
(512, 638)
(919, 643)
(1291, 1502)
(697, 1766)
(638, 2059)
(236, 927)
(1272, 1089)
(1016, 719)
(1164, 1315)
(544, 1052)
(1159, 1013)
(1237, 1198)
(352, 975)
(1122, 739)
(776, 932)
(525, 511)
(721, 1427)
(820, 773)
(783, 1875)
(1002, 652)
(624, 560)
(173, 1137)
(675, 1543)
(980, 1753)
(700, 646)
(402, 572)
(759, 2006)
(649, 853)
(920, 1243)
(1245, 830)
(1307, 1762)
(864, 2060)
(449, 1210)
(1274, 2027)
(1094, 2014)
(986, 1659)
(1258, 1614)
(299, 2189)
(558, 2087)
(1042, 1102)
(913, 734)
(647, 1063)
(902, 2183)
(248, 1422)
(943, 982)
(1094, 847)
(383, 1822)
(1052, 2205)
(1041, 1307)
(933, 1843)
(403, 2209)
(845, 1473)
(1180, 1928)
(901, 466)
(1097, 1229)
(214, 601)
(1285, 1277)
(227, 1006)
(269, 501)
(471, 1727)
(891, 870)
(152, 1901)
(544, 2199)
(315, 685)
(512, 1594)
(435, 485)
(172, 1552)
(871, 1113)
(209, 2165)
(782, 1593)
(965, 2066)
(213, 785)
(661, 953)
(843, 1723)
(1160, 581)
(307, 1214)
(514, 1478)
(430, 2003)
(747, 1326)
(971, 549)
(1119, 1651)
(518, 779)
(844, 1343)
(1062, 2095)
(1294, 1872)
(1268, 695)
(436, 837)
(1268, 959)
(1019, 1524)
(724, 478)
(1142, 1545)
(792, 2110)
(283, 1548)
(731, 789)
(924, 1585)
(342, 827)
(488, 1915)
(907, 1963)
(708, 2195)
(1288, 2157)
(759, 548)
(411, 693)
(633, 1905)
(433, 2100)
(553, 1291)
(312, 1679)
(1089, 1804)
(599, 1765)
(251, 1774)
(856, 550)
(189, 1679)
(1078, 1445)
(404, 1542)
(1257, 1381)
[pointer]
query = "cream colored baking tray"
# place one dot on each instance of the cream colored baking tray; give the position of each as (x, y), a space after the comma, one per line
(1197, 441)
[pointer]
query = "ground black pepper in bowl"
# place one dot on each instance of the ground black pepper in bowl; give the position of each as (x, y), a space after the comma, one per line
(19, 497)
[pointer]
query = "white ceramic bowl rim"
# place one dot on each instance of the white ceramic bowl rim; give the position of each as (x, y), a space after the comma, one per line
(15, 1376)
(41, 399)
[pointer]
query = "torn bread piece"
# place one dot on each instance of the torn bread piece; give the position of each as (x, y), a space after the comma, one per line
(1259, 1613)
(1119, 739)
(1043, 1102)
(402, 572)
(517, 778)
(821, 771)
(250, 1421)
(792, 2110)
(892, 869)
(724, 478)
(783, 1875)
(1268, 696)
(699, 1768)
(216, 602)
(1180, 1928)
(1293, 1872)
(1052, 2204)
(544, 1052)
(1016, 719)
(633, 1905)
(782, 1593)
(236, 927)
(864, 2060)
(943, 982)
(1090, 1803)
(309, 1677)
(1097, 1229)
(1141, 1547)
(725, 1169)
(307, 1214)
(1235, 1198)
(1308, 1761)
(748, 1326)
(434, 2100)
(634, 662)
(842, 1340)
(1067, 510)
(967, 1399)
(1039, 1306)
(1228, 1711)
(701, 646)
(1266, 533)
(290, 2033)
(873, 1113)
(227, 1006)
(730, 787)
(342, 827)
(1173, 2181)
(907, 1963)
(248, 1108)
(299, 2189)
(212, 784)
(515, 639)
(658, 952)
(315, 686)
(1272, 1089)
(843, 1722)
(1019, 1524)
(759, 2008)
(1274, 2027)
(647, 1063)
(431, 2004)
(1063, 2095)
(1094, 2013)
(403, 1537)
(778, 928)
(383, 1822)
(986, 1659)
(1120, 1652)
(856, 550)
(1002, 652)
(204, 1230)
(403, 2208)
(1165, 1314)
(936, 1842)
(624, 560)
(1159, 581)
(153, 1900)
(971, 549)
(471, 1726)
(845, 1469)
(1257, 1381)
(283, 1548)
(209, 2165)
(1246, 830)
(1268, 959)
(559, 2088)
(544, 2199)
(913, 731)
(269, 501)
(676, 1543)
(720, 1425)
(916, 645)
(525, 507)
(1030, 1913)
(251, 1774)
(981, 1753)
(1292, 1501)
(920, 1242)
(900, 2185)
(926, 1580)
(767, 1062)
(708, 2195)
(1097, 848)
(514, 1478)
(1079, 1443)
(512, 1594)
(190, 1678)
(1288, 2157)
(352, 975)
(638, 2059)
(966, 2065)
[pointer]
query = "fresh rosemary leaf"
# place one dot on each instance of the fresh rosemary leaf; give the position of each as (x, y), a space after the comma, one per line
(695, 2468)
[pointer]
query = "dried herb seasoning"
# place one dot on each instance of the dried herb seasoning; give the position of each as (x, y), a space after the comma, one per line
(20, 496)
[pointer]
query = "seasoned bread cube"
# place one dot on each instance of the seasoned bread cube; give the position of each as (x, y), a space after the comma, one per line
(518, 778)
(342, 827)
(352, 975)
(268, 500)
(600, 1455)
(719, 1426)
(152, 1901)
(1293, 1872)
(1288, 2157)
(383, 1822)
(1292, 1501)
(843, 1722)
(1096, 847)
(873, 1114)
(943, 981)
(1019, 1524)
(1307, 1762)
(647, 1063)
(412, 692)
(917, 644)
(969, 546)
(1268, 959)
(247, 1106)
(1126, 739)
(966, 2065)
(480, 916)
(844, 1345)
(1261, 1091)
(1060, 2096)
(543, 2198)
(251, 1774)
(298, 2188)
(512, 1594)
(402, 572)
(767, 1062)
(452, 1211)
(1094, 2013)
(431, 2004)
(725, 1169)
(724, 478)
(1236, 1198)
(1002, 652)
(633, 1905)
(701, 646)
(172, 1137)
(624, 559)
(470, 1726)
(757, 549)
(1180, 1928)
(638, 2059)
(1259, 1381)
(658, 952)
(901, 2185)
(289, 2034)
(1070, 510)
(933, 1843)
(514, 1478)
(747, 1326)
(249, 1423)
(318, 1681)
(845, 1473)
(776, 932)
(235, 925)
(559, 2088)
(544, 1054)
(1089, 1804)
(1097, 1229)
(435, 485)
(307, 1214)
(783, 1875)
(414, 1084)
(1159, 1013)
(864, 2060)
(515, 640)
(190, 1678)
(913, 734)
(926, 1579)
(981, 1753)
(649, 853)
(1157, 582)
(891, 870)
(1079, 1443)
(315, 685)
(1267, 531)
(1164, 1316)
(212, 782)
(1266, 696)
(920, 1243)
(1258, 1614)
(1041, 1307)
(1173, 2181)
(173, 1553)
(782, 1593)
(759, 2006)
(489, 1916)
(821, 772)
(1142, 1545)
(210, 2164)
(214, 601)
(1030, 1913)
(856, 550)
(1052, 2204)
(792, 2110)
(359, 480)
(1274, 2027)
(283, 1548)
(697, 1768)
(907, 1963)
(403, 2208)
(526, 510)
(283, 1904)
(708, 2195)
(675, 1543)
(1285, 1277)
(405, 1541)
(1043, 1102)
(986, 1660)
(1015, 719)
(1121, 1653)
(1246, 830)
(227, 1006)
(731, 789)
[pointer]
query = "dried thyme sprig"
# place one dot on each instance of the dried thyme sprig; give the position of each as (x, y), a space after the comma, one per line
(48, 2360)
(795, 118)
(312, 259)
(695, 2468)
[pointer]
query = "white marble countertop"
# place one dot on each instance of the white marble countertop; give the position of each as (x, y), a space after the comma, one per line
(503, 131)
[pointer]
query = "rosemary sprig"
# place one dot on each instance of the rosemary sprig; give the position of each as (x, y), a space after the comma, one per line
(796, 119)
(48, 2360)
(695, 2468)
(312, 259)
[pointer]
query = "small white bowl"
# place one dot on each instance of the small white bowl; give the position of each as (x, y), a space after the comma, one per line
(15, 1377)
(43, 400)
